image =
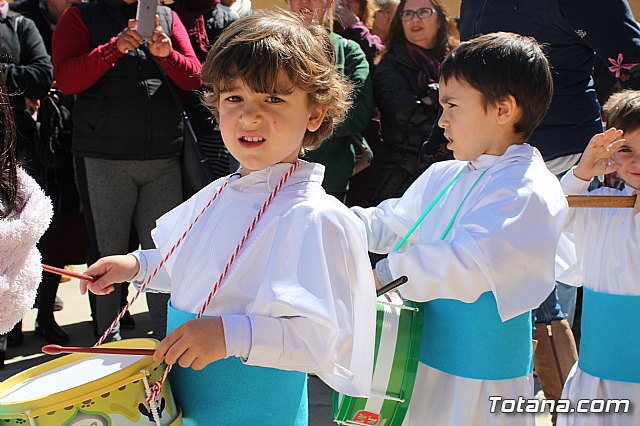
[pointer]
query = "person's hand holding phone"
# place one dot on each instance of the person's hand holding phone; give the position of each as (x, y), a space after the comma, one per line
(129, 39)
(160, 43)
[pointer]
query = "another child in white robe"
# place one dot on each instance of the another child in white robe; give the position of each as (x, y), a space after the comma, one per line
(483, 257)
(299, 295)
(608, 250)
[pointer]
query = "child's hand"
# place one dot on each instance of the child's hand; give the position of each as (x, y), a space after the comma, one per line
(107, 271)
(595, 159)
(194, 344)
(376, 280)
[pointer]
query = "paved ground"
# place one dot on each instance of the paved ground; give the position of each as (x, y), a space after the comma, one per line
(76, 320)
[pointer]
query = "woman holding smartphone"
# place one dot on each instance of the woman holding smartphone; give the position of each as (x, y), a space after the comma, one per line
(127, 134)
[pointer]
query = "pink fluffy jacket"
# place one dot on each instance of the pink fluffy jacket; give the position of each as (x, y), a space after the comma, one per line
(20, 264)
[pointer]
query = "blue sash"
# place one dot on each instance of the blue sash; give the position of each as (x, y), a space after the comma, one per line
(230, 393)
(470, 340)
(610, 342)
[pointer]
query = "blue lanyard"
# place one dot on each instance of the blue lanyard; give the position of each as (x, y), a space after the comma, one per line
(433, 204)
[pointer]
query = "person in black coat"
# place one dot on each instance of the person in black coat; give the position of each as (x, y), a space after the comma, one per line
(28, 75)
(405, 95)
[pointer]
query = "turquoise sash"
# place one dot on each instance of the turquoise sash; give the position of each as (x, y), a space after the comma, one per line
(230, 393)
(610, 342)
(470, 340)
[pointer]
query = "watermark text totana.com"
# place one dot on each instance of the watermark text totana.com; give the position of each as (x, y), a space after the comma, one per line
(524, 405)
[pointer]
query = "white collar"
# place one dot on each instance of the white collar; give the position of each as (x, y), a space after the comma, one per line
(265, 180)
(516, 152)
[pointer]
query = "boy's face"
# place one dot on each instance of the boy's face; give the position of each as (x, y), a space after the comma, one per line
(628, 157)
(262, 129)
(470, 127)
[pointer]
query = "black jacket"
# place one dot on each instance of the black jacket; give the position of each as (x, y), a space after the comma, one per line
(407, 114)
(574, 32)
(130, 113)
(34, 10)
(26, 65)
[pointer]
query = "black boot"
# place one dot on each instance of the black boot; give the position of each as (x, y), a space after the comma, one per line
(51, 331)
(46, 324)
(15, 336)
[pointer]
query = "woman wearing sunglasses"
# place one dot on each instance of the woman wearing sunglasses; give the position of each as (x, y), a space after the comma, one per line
(421, 34)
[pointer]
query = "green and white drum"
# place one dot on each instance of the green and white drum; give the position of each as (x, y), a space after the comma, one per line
(398, 338)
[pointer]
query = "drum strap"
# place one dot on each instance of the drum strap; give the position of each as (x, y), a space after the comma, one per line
(435, 202)
(157, 387)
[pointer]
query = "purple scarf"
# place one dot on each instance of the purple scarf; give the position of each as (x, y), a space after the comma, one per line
(428, 65)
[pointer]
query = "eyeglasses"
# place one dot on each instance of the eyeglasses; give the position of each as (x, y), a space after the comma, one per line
(422, 13)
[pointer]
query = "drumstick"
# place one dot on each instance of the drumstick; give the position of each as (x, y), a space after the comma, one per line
(601, 201)
(57, 349)
(72, 274)
(393, 284)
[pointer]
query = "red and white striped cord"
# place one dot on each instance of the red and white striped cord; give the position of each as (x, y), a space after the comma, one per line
(157, 269)
(157, 386)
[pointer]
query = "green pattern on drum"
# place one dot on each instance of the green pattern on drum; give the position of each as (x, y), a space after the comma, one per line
(350, 406)
(403, 373)
(405, 364)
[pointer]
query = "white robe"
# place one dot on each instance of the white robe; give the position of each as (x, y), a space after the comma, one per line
(608, 251)
(503, 241)
(303, 277)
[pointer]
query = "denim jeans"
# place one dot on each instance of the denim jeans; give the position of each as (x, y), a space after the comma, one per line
(548, 311)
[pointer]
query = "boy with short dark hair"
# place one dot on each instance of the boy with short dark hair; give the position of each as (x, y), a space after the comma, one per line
(485, 255)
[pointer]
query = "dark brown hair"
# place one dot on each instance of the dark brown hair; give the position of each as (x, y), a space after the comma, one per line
(502, 64)
(447, 36)
(8, 161)
(258, 48)
(622, 111)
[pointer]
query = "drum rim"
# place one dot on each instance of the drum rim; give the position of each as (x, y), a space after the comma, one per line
(342, 412)
(53, 402)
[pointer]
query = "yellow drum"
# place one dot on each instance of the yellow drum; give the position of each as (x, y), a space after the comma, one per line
(89, 390)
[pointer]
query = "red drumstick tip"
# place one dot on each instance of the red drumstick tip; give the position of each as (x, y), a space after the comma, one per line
(52, 349)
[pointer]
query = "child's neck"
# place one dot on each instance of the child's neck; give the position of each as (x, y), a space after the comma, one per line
(503, 144)
(245, 171)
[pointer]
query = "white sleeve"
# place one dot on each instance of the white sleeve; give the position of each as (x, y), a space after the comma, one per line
(149, 261)
(504, 241)
(323, 317)
(571, 185)
(388, 223)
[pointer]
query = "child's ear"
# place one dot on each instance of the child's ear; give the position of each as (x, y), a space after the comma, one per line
(316, 116)
(508, 110)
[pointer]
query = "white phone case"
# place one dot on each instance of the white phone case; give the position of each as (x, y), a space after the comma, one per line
(146, 17)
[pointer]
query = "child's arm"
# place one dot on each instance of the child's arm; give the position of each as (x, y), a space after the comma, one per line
(108, 271)
(596, 160)
(134, 267)
(313, 311)
(194, 344)
(597, 155)
(504, 241)
(387, 223)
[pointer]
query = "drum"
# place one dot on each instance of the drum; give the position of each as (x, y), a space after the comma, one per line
(89, 390)
(398, 338)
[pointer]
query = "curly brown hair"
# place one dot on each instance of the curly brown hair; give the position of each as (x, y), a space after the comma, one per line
(257, 49)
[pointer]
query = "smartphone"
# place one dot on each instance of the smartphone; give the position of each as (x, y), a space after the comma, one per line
(146, 17)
